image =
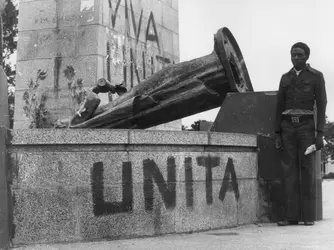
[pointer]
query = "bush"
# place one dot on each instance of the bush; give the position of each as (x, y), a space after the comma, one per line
(329, 176)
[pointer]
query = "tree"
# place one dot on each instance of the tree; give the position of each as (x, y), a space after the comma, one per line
(9, 45)
(328, 151)
(196, 126)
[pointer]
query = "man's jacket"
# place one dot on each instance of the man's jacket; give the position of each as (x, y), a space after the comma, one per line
(300, 92)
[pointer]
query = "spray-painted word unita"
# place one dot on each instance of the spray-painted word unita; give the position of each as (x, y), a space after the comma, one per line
(167, 188)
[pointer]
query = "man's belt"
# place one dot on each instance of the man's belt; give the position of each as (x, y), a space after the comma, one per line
(297, 118)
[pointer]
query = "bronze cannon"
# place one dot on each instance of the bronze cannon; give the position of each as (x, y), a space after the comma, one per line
(176, 91)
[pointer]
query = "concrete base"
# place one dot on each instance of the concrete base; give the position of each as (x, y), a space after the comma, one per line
(83, 185)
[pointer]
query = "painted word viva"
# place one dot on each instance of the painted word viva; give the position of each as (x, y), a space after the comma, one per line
(167, 189)
(132, 66)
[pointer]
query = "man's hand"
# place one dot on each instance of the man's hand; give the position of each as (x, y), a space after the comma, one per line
(319, 142)
(278, 142)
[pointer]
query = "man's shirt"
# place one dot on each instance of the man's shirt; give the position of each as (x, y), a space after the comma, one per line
(297, 94)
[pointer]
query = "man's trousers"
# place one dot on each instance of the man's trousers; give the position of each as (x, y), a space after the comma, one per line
(298, 170)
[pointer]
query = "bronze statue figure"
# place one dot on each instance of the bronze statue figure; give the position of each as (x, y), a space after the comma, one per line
(176, 91)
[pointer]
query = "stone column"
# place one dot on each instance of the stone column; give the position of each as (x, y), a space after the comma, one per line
(65, 45)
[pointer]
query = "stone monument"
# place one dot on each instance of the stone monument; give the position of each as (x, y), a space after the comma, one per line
(66, 45)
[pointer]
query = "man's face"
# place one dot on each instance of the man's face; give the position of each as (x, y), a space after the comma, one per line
(298, 58)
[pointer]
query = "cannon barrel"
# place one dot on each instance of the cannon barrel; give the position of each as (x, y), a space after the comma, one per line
(178, 90)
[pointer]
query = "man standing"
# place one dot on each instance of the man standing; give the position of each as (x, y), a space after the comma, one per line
(295, 131)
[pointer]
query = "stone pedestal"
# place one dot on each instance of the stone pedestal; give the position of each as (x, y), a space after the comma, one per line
(66, 45)
(87, 185)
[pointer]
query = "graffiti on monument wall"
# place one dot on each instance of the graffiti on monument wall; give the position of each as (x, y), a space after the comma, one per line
(166, 188)
(127, 55)
(132, 54)
(135, 48)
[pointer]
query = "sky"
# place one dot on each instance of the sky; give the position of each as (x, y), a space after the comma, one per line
(265, 31)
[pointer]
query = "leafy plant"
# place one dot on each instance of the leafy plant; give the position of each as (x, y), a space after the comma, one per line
(329, 176)
(9, 44)
(34, 105)
(196, 125)
(328, 151)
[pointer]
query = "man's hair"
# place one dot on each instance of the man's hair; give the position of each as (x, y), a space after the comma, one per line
(302, 46)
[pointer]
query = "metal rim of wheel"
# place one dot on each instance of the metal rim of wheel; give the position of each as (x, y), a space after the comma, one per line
(232, 60)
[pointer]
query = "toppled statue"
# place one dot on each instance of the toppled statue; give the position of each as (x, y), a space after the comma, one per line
(92, 100)
(174, 92)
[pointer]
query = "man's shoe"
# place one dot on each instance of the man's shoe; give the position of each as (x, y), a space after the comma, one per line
(287, 223)
(308, 223)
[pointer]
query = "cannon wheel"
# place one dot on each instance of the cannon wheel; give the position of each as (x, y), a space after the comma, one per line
(232, 60)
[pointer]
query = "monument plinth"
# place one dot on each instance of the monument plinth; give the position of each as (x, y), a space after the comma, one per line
(76, 42)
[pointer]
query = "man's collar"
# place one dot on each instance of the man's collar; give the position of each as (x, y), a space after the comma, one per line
(293, 70)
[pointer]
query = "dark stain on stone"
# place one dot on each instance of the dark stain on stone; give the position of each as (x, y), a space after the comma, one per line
(56, 71)
(12, 167)
(60, 167)
(163, 60)
(11, 196)
(9, 137)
